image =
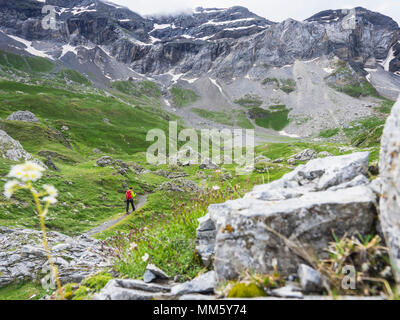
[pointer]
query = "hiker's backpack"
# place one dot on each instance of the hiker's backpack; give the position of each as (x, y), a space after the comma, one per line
(129, 195)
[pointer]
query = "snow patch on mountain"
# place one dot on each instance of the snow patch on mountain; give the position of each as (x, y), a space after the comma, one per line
(30, 49)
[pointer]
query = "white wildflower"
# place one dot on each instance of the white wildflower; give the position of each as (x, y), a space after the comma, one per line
(10, 187)
(29, 171)
(274, 263)
(216, 188)
(146, 257)
(50, 200)
(51, 191)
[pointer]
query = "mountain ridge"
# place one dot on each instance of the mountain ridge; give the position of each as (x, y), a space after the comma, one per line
(310, 67)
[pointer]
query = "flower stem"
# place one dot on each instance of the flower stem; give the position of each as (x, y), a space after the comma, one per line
(45, 242)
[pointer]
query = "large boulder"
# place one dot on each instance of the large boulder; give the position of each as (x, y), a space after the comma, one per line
(11, 149)
(246, 234)
(25, 116)
(121, 289)
(22, 256)
(204, 283)
(306, 155)
(127, 289)
(390, 180)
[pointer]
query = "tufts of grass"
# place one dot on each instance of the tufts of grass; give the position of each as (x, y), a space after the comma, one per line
(386, 107)
(242, 121)
(25, 63)
(274, 81)
(23, 291)
(250, 101)
(138, 89)
(359, 89)
(286, 85)
(72, 75)
(165, 229)
(366, 132)
(276, 118)
(183, 97)
(328, 133)
(216, 116)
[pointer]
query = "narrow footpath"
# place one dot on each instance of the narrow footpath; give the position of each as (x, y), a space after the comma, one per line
(141, 202)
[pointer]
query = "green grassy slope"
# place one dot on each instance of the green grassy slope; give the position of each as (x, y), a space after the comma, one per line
(89, 195)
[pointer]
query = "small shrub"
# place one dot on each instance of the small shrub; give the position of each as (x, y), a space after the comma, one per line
(246, 290)
(98, 282)
(250, 101)
(183, 97)
(83, 293)
(276, 118)
(328, 133)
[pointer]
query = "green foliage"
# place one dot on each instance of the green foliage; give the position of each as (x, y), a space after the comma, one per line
(236, 117)
(23, 291)
(271, 81)
(366, 132)
(183, 97)
(357, 89)
(328, 133)
(386, 107)
(246, 290)
(369, 258)
(342, 70)
(165, 228)
(72, 75)
(216, 116)
(82, 293)
(277, 117)
(138, 89)
(286, 85)
(346, 81)
(242, 121)
(25, 63)
(249, 101)
(98, 281)
(89, 195)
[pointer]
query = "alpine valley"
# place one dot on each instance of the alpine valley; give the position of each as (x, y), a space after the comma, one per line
(84, 81)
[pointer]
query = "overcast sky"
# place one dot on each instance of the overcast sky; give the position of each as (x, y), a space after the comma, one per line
(275, 10)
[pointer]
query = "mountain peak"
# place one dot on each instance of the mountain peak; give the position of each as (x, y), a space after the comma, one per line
(375, 18)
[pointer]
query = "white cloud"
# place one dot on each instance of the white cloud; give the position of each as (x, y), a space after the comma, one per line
(270, 9)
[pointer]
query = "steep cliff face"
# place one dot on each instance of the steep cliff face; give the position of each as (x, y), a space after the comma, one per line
(223, 55)
(207, 39)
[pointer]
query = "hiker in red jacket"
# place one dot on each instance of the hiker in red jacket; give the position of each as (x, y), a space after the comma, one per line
(130, 195)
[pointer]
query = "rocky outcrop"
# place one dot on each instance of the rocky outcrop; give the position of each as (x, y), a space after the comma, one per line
(390, 186)
(23, 258)
(224, 42)
(311, 280)
(118, 164)
(180, 185)
(204, 283)
(252, 232)
(11, 149)
(154, 273)
(173, 172)
(306, 155)
(119, 289)
(25, 116)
